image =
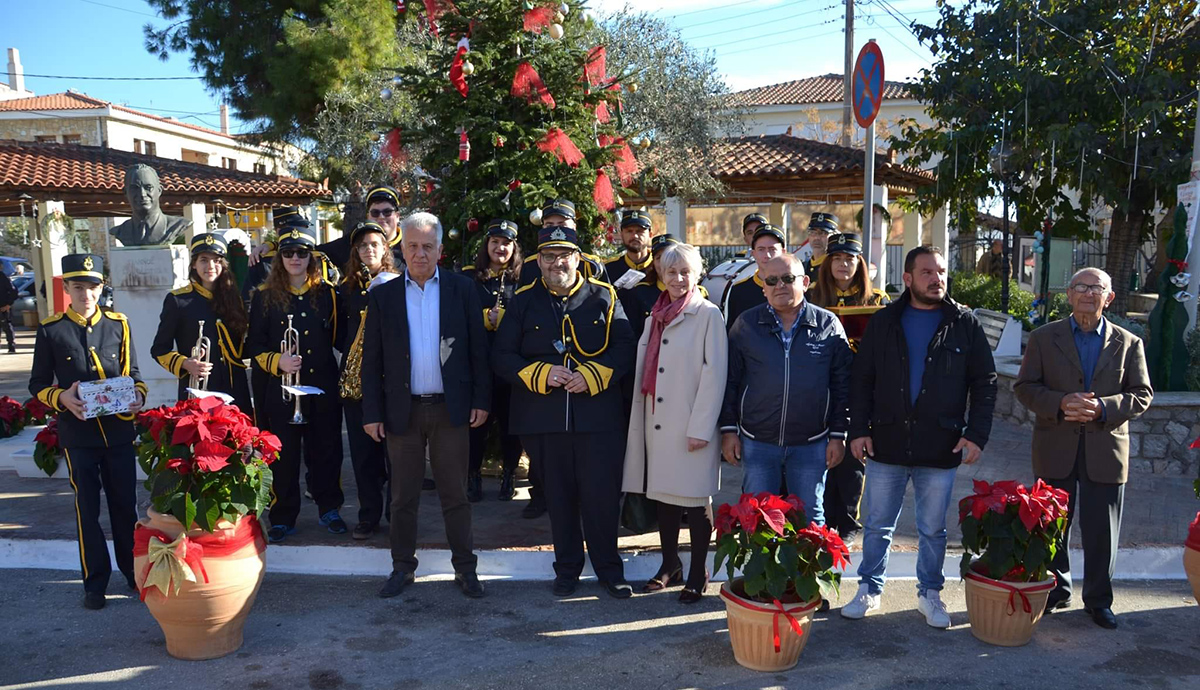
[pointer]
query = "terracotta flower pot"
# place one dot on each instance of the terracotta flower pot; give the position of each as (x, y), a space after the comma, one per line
(1191, 565)
(1005, 613)
(205, 619)
(764, 636)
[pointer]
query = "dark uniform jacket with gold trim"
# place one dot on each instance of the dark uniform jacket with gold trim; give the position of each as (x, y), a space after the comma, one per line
(586, 329)
(493, 291)
(387, 356)
(742, 296)
(70, 348)
(315, 318)
(178, 330)
(615, 268)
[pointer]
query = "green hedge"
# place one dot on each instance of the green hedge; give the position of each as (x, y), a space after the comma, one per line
(983, 292)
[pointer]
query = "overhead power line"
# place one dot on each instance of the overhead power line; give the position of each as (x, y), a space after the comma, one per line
(65, 76)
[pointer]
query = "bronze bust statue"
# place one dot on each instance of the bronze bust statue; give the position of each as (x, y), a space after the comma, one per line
(149, 225)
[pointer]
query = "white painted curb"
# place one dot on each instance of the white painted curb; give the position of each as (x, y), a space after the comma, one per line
(1150, 563)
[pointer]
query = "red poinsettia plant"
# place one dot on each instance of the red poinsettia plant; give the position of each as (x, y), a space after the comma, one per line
(12, 417)
(1010, 532)
(36, 412)
(45, 448)
(205, 461)
(781, 554)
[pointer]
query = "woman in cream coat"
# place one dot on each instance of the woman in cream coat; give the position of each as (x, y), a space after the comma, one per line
(674, 450)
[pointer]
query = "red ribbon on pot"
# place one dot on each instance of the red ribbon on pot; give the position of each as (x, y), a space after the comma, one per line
(776, 612)
(247, 531)
(1013, 591)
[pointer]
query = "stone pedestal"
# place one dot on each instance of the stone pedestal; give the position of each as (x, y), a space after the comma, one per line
(141, 278)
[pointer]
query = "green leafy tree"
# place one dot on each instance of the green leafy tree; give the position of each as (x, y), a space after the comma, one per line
(1096, 98)
(275, 60)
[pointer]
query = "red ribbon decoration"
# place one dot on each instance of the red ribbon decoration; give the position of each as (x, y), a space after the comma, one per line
(557, 142)
(594, 68)
(776, 612)
(1014, 591)
(1178, 263)
(247, 531)
(528, 84)
(602, 193)
(539, 18)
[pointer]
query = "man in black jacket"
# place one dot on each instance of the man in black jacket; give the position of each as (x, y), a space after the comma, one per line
(8, 295)
(787, 391)
(924, 363)
(426, 377)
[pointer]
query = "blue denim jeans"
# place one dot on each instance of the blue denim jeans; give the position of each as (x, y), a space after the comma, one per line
(884, 496)
(763, 465)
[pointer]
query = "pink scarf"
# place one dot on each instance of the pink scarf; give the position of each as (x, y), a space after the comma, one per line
(664, 312)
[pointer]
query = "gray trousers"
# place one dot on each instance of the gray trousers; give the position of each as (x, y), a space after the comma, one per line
(429, 425)
(1097, 509)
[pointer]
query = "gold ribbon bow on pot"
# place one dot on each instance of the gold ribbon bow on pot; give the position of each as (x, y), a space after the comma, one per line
(167, 565)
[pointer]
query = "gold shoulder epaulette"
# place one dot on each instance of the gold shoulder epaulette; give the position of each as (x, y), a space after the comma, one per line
(183, 290)
(114, 315)
(469, 267)
(530, 258)
(743, 279)
(612, 290)
(523, 289)
(52, 318)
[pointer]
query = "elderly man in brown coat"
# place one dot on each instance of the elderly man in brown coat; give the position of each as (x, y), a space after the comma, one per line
(1085, 378)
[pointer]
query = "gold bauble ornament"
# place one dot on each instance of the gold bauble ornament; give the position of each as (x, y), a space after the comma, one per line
(644, 144)
(374, 136)
(633, 87)
(468, 68)
(535, 216)
(556, 31)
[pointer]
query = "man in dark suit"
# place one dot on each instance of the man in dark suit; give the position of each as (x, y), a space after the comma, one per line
(1085, 378)
(425, 351)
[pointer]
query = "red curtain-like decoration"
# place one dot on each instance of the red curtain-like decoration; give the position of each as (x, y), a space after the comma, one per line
(557, 142)
(625, 164)
(539, 18)
(603, 193)
(456, 72)
(594, 68)
(528, 84)
(434, 9)
(391, 144)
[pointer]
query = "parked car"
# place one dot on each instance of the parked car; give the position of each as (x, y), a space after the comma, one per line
(8, 264)
(26, 285)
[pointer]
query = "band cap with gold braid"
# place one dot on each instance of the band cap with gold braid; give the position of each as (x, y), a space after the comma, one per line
(661, 242)
(559, 207)
(88, 268)
(209, 242)
(638, 218)
(558, 236)
(282, 215)
(500, 227)
(768, 230)
(382, 194)
(844, 243)
(753, 218)
(364, 229)
(298, 234)
(823, 221)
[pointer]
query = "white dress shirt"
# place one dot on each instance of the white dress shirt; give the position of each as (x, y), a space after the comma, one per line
(424, 334)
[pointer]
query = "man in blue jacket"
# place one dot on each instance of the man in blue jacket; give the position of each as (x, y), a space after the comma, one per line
(786, 406)
(921, 398)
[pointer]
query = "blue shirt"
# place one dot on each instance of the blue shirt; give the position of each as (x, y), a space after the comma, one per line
(1088, 344)
(424, 334)
(786, 335)
(919, 326)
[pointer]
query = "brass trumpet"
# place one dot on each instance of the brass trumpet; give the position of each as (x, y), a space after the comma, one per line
(201, 353)
(291, 345)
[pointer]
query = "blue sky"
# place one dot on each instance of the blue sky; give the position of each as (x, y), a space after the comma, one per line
(756, 42)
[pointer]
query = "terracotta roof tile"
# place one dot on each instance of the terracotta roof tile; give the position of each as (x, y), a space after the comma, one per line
(782, 155)
(26, 166)
(823, 89)
(71, 100)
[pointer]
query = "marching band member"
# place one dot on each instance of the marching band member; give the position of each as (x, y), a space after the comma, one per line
(370, 256)
(86, 344)
(294, 294)
(561, 213)
(211, 301)
(496, 272)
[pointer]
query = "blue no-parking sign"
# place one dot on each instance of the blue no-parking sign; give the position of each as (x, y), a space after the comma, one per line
(868, 84)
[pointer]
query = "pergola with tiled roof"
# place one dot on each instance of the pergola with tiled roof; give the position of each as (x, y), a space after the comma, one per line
(823, 89)
(772, 168)
(90, 181)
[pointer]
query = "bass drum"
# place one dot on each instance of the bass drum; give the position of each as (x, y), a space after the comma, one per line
(720, 278)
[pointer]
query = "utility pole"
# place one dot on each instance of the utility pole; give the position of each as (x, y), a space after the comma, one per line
(848, 76)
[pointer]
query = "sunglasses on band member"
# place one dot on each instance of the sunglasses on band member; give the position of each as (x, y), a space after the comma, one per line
(382, 212)
(787, 278)
(295, 253)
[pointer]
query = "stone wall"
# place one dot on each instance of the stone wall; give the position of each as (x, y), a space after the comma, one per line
(1158, 440)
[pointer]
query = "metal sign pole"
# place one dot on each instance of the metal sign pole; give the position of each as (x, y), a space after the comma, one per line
(869, 203)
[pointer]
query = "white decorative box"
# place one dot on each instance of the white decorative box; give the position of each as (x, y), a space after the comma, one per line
(107, 396)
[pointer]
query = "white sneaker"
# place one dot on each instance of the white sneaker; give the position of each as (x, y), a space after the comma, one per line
(863, 603)
(934, 609)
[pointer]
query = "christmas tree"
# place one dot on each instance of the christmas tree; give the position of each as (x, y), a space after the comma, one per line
(514, 108)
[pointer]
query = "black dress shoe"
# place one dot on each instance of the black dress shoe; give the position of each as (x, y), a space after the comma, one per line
(534, 509)
(565, 586)
(508, 486)
(428, 484)
(474, 487)
(396, 584)
(131, 581)
(93, 600)
(1103, 618)
(1060, 604)
(618, 589)
(469, 583)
